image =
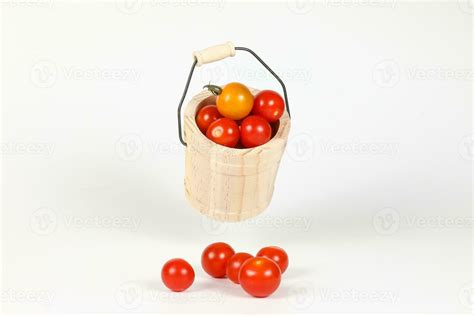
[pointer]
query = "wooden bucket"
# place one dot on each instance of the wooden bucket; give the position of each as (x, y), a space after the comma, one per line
(228, 184)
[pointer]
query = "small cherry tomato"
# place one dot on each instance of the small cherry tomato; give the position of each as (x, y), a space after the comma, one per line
(234, 264)
(206, 116)
(269, 105)
(259, 276)
(224, 131)
(234, 101)
(214, 259)
(177, 275)
(276, 254)
(255, 131)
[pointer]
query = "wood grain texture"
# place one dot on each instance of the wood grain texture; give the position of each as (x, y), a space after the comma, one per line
(229, 184)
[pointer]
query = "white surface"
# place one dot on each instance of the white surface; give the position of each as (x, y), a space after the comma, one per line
(373, 197)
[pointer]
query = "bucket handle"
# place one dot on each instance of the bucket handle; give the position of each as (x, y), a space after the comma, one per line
(216, 53)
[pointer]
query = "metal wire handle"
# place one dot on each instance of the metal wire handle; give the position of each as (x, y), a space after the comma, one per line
(191, 75)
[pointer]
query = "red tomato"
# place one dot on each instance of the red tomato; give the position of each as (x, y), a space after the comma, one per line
(234, 264)
(276, 254)
(214, 259)
(224, 131)
(269, 105)
(206, 116)
(255, 131)
(177, 275)
(259, 276)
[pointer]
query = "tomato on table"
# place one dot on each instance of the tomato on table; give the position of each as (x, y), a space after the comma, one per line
(277, 254)
(224, 131)
(255, 131)
(215, 257)
(269, 105)
(260, 276)
(177, 274)
(234, 264)
(234, 101)
(206, 116)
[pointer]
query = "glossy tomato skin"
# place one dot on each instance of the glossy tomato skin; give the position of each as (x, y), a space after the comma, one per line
(276, 254)
(259, 276)
(234, 264)
(255, 131)
(206, 116)
(269, 105)
(224, 131)
(215, 257)
(177, 275)
(235, 101)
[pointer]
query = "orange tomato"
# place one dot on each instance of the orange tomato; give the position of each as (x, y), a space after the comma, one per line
(235, 101)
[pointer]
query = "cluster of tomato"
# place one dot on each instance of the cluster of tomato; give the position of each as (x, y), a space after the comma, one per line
(259, 276)
(228, 122)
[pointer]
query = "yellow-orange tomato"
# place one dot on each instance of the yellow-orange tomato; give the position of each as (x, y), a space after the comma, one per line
(235, 101)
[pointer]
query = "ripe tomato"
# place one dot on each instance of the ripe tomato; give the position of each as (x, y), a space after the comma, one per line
(214, 259)
(276, 254)
(234, 264)
(259, 276)
(234, 101)
(177, 275)
(269, 105)
(255, 131)
(224, 131)
(206, 116)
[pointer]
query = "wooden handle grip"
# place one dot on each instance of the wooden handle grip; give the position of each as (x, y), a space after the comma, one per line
(214, 53)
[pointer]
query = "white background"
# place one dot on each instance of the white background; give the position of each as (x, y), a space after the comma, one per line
(373, 196)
